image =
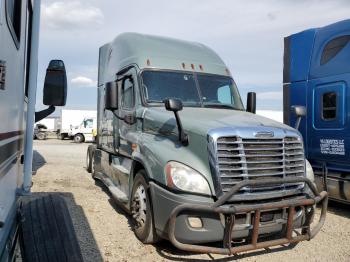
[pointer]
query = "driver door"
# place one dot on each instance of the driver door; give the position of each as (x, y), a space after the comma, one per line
(127, 120)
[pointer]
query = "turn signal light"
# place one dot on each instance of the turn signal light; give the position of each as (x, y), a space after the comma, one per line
(195, 222)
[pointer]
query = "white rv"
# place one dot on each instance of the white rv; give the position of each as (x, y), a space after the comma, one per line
(22, 216)
(70, 119)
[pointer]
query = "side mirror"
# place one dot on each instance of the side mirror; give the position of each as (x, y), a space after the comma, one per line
(299, 111)
(111, 96)
(251, 102)
(55, 85)
(175, 105)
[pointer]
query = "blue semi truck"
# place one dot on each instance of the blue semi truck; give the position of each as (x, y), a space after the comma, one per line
(316, 80)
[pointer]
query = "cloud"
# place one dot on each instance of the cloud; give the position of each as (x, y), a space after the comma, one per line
(71, 15)
(83, 81)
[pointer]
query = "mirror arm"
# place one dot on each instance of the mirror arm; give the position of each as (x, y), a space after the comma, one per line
(44, 113)
(183, 137)
(297, 122)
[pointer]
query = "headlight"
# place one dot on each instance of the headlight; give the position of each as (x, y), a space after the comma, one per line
(182, 177)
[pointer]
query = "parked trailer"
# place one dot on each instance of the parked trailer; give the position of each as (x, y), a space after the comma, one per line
(177, 149)
(41, 227)
(317, 77)
(70, 119)
(51, 123)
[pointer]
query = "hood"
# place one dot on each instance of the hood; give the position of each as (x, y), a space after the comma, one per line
(202, 120)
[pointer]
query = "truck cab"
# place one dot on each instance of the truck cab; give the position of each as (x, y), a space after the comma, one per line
(179, 151)
(317, 77)
(84, 131)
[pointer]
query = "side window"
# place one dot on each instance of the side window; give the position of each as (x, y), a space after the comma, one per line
(224, 95)
(333, 47)
(88, 123)
(13, 10)
(329, 106)
(128, 94)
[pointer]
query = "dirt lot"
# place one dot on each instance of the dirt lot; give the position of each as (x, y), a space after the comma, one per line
(105, 233)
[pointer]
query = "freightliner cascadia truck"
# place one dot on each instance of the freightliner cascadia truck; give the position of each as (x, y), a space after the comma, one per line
(179, 151)
(317, 77)
(38, 228)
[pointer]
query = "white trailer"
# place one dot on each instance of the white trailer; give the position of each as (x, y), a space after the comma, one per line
(72, 118)
(35, 221)
(50, 123)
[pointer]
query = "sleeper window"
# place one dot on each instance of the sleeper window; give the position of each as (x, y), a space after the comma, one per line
(14, 19)
(329, 106)
(128, 94)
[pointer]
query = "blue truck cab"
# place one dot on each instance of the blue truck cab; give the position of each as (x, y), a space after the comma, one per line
(316, 75)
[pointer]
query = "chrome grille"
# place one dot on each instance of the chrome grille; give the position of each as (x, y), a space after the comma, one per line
(259, 158)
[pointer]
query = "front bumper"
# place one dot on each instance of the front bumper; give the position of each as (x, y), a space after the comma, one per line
(182, 235)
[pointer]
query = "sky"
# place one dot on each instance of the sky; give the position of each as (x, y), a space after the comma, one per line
(247, 35)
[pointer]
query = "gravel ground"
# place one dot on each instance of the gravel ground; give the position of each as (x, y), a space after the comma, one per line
(105, 233)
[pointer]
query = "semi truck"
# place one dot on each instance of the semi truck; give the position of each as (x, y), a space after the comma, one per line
(177, 149)
(317, 77)
(70, 119)
(85, 131)
(38, 228)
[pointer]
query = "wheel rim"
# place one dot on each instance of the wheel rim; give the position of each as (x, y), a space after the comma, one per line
(139, 206)
(77, 139)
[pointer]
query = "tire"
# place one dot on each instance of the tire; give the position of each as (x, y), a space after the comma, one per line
(47, 232)
(89, 159)
(141, 209)
(62, 136)
(78, 138)
(40, 136)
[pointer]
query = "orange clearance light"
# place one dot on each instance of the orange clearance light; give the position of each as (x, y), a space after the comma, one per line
(148, 62)
(183, 66)
(201, 67)
(192, 66)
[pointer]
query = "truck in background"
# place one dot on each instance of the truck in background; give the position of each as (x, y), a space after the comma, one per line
(316, 76)
(27, 224)
(177, 149)
(50, 122)
(85, 131)
(70, 119)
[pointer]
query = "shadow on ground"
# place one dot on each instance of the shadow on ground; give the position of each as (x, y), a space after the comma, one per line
(339, 209)
(87, 242)
(167, 251)
(38, 161)
(114, 203)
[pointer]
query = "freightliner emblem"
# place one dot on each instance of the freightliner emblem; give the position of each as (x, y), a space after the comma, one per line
(264, 134)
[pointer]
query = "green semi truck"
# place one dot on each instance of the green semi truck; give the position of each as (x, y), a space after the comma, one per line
(179, 151)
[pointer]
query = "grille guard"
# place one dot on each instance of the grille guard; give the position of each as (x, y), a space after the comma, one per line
(230, 212)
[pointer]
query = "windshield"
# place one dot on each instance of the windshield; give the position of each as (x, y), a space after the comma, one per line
(202, 90)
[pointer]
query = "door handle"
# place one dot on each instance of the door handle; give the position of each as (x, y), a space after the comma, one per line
(2, 74)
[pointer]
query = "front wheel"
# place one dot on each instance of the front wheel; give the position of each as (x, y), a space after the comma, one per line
(78, 138)
(141, 210)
